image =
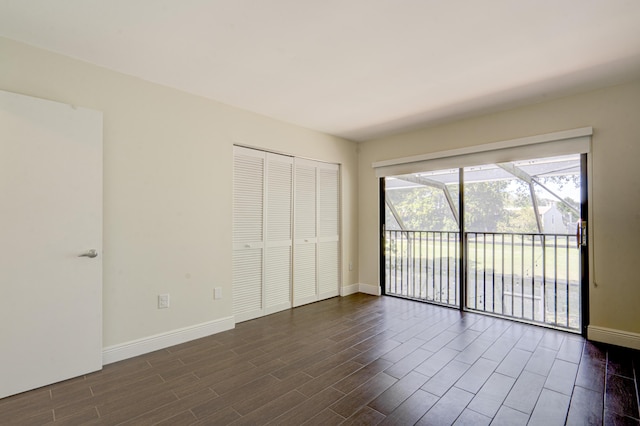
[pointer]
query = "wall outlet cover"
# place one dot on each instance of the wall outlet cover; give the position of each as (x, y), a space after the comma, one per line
(163, 301)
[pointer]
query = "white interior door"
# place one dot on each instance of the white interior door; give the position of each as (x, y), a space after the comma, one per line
(50, 213)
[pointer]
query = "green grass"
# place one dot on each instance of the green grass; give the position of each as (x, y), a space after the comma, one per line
(559, 262)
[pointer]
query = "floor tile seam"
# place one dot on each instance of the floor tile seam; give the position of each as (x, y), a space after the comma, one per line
(466, 407)
(332, 367)
(240, 354)
(228, 406)
(604, 392)
(477, 412)
(505, 404)
(336, 413)
(589, 390)
(116, 411)
(100, 379)
(637, 419)
(623, 376)
(271, 422)
(530, 372)
(119, 383)
(93, 407)
(338, 390)
(62, 386)
(490, 397)
(158, 408)
(398, 405)
(573, 383)
(214, 394)
(371, 408)
(76, 401)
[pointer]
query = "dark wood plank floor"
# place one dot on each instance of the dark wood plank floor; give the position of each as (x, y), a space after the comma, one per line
(354, 360)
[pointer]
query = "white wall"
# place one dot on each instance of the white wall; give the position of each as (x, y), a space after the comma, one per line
(615, 182)
(168, 159)
(168, 187)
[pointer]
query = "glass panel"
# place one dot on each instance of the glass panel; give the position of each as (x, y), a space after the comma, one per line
(422, 236)
(522, 257)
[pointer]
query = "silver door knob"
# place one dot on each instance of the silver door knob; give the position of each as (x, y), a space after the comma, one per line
(91, 253)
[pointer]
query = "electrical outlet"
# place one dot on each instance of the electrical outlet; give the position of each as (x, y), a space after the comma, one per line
(217, 293)
(163, 301)
(351, 266)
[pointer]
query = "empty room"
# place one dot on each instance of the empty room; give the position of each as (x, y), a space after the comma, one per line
(357, 212)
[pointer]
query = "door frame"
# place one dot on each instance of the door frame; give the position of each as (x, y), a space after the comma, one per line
(584, 255)
(584, 250)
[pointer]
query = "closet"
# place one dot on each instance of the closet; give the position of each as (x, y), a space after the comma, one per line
(286, 227)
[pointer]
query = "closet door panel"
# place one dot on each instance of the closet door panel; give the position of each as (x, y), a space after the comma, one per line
(279, 197)
(248, 233)
(328, 269)
(306, 202)
(248, 194)
(305, 289)
(247, 284)
(329, 231)
(277, 279)
(278, 268)
(305, 285)
(329, 175)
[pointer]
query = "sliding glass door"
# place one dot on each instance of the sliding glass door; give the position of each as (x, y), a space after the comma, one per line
(422, 228)
(497, 238)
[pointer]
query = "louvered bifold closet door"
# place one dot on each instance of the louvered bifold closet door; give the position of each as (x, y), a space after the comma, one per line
(305, 233)
(329, 231)
(248, 233)
(277, 279)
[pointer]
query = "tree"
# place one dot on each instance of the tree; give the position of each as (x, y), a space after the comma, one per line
(421, 209)
(490, 206)
(485, 206)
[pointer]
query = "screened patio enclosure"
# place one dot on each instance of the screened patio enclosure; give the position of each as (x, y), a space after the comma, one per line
(495, 238)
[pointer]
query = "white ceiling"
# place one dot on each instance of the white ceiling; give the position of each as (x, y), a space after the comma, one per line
(360, 69)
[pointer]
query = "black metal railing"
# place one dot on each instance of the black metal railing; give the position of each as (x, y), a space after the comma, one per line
(423, 265)
(530, 277)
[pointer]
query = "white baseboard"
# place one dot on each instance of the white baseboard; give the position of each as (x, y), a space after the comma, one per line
(360, 288)
(349, 289)
(369, 289)
(614, 337)
(145, 345)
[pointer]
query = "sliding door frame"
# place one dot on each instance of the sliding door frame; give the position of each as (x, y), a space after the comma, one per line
(405, 165)
(383, 249)
(584, 250)
(462, 284)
